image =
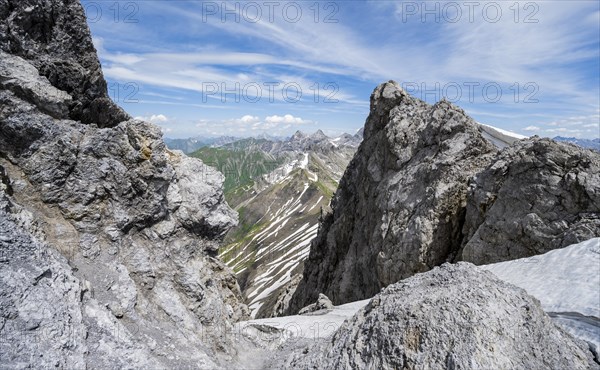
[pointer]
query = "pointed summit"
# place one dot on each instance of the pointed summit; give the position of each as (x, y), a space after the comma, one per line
(319, 135)
(298, 135)
(359, 134)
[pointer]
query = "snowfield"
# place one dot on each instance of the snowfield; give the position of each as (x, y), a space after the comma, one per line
(567, 283)
(309, 326)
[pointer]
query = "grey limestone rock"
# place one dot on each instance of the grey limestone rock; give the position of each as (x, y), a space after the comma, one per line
(537, 195)
(426, 187)
(108, 239)
(23, 79)
(54, 37)
(400, 204)
(321, 305)
(452, 317)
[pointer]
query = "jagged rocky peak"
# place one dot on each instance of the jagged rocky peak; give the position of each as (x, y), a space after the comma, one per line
(453, 317)
(400, 200)
(53, 36)
(298, 135)
(319, 136)
(426, 186)
(106, 236)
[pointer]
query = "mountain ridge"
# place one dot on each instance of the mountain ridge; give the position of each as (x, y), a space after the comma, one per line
(421, 171)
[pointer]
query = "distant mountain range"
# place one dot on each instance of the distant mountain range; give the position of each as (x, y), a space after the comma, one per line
(280, 189)
(192, 144)
(584, 143)
(244, 161)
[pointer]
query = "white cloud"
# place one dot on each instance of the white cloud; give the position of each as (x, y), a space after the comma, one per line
(505, 52)
(583, 125)
(249, 119)
(531, 128)
(155, 118)
(274, 124)
(288, 118)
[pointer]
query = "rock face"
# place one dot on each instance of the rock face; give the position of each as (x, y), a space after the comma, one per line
(400, 204)
(53, 36)
(536, 196)
(108, 239)
(426, 186)
(453, 317)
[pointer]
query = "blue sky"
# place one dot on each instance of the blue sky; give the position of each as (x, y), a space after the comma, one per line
(246, 68)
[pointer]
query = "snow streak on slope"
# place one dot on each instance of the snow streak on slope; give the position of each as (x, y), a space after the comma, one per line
(279, 216)
(567, 283)
(283, 172)
(271, 254)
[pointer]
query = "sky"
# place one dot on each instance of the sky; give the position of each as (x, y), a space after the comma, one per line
(246, 68)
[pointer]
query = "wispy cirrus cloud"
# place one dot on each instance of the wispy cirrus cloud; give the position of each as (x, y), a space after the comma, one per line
(553, 62)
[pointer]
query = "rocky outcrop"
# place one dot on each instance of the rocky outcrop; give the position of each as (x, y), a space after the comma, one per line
(427, 186)
(53, 36)
(400, 205)
(453, 317)
(39, 297)
(108, 239)
(536, 196)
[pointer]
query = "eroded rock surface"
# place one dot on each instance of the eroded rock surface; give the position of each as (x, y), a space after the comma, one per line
(108, 239)
(54, 37)
(536, 196)
(453, 317)
(426, 187)
(400, 205)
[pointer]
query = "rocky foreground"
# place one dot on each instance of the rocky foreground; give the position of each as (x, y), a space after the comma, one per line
(452, 317)
(108, 240)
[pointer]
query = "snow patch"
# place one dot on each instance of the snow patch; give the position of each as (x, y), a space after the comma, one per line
(567, 283)
(499, 137)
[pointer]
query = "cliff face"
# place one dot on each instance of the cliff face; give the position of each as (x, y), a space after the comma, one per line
(53, 36)
(536, 196)
(108, 239)
(426, 187)
(400, 202)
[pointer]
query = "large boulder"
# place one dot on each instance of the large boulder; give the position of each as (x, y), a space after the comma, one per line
(400, 204)
(453, 317)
